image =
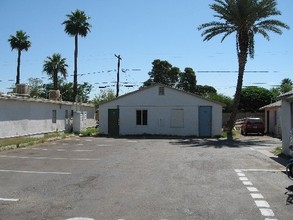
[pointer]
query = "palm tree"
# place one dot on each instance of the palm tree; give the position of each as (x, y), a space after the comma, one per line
(19, 42)
(54, 65)
(77, 24)
(246, 18)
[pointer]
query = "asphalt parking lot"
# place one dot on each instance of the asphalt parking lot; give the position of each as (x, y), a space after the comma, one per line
(106, 178)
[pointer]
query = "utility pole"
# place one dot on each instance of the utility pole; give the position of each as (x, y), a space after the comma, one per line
(118, 69)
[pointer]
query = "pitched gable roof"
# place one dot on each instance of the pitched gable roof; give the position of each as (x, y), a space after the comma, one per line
(287, 95)
(272, 105)
(162, 85)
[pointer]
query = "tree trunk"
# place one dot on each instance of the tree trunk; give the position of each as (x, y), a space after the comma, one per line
(18, 68)
(75, 69)
(242, 59)
(55, 80)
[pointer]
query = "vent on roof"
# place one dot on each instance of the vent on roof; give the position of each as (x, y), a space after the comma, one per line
(54, 95)
(22, 89)
(161, 90)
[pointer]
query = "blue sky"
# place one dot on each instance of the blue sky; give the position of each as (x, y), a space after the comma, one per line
(140, 31)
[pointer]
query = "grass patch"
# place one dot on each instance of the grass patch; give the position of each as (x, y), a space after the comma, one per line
(19, 142)
(89, 132)
(277, 150)
(224, 134)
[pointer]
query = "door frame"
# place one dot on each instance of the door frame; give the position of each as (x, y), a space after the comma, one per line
(209, 125)
(113, 122)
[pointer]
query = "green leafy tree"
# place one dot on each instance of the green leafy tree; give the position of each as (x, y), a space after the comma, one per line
(187, 80)
(163, 72)
(245, 18)
(275, 93)
(204, 90)
(66, 91)
(75, 25)
(286, 85)
(104, 96)
(36, 87)
(253, 98)
(19, 42)
(54, 65)
(228, 101)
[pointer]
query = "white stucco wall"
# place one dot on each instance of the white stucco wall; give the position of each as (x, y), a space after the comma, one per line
(274, 121)
(286, 118)
(159, 113)
(22, 116)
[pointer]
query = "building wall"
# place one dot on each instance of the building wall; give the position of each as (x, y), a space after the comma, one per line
(19, 117)
(286, 123)
(159, 113)
(274, 121)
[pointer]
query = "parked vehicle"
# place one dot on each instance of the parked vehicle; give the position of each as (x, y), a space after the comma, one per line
(252, 125)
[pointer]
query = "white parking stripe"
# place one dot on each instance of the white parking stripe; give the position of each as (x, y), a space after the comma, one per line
(50, 158)
(261, 204)
(256, 195)
(34, 172)
(252, 189)
(9, 200)
(267, 212)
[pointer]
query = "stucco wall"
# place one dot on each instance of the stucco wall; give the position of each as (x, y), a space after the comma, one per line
(20, 117)
(159, 113)
(286, 118)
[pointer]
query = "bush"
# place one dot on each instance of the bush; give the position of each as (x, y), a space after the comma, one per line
(89, 132)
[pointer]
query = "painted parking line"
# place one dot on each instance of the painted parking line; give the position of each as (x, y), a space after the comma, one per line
(9, 200)
(34, 172)
(50, 158)
(258, 198)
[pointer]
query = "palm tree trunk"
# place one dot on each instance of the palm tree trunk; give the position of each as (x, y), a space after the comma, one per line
(55, 80)
(242, 59)
(18, 68)
(75, 69)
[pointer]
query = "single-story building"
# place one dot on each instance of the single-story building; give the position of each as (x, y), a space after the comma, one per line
(161, 110)
(22, 115)
(272, 118)
(287, 120)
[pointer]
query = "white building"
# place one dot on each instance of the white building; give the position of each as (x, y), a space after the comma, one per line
(161, 110)
(20, 115)
(272, 118)
(287, 120)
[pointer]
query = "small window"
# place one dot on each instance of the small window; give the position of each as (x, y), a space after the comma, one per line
(54, 116)
(161, 90)
(141, 117)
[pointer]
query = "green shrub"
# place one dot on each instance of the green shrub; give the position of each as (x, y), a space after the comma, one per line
(88, 132)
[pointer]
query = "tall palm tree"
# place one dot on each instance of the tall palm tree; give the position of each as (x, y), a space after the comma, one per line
(19, 42)
(54, 65)
(76, 24)
(246, 18)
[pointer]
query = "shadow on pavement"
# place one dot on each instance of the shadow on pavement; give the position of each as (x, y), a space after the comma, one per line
(219, 143)
(289, 193)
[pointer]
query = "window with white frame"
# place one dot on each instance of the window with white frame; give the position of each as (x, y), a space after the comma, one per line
(141, 117)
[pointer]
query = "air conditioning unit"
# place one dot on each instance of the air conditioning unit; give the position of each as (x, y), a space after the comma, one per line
(22, 89)
(54, 95)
